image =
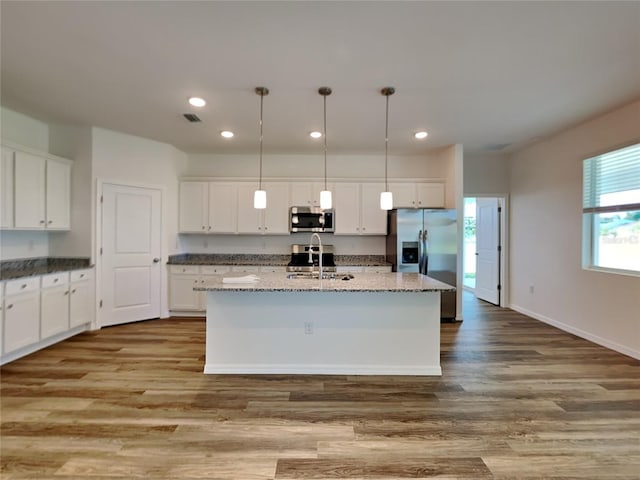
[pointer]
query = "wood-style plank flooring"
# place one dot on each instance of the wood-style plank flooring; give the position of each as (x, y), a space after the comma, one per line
(518, 399)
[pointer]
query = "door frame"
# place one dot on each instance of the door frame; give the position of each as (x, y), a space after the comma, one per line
(503, 202)
(100, 182)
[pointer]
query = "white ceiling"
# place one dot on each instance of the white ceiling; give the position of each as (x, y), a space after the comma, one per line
(479, 73)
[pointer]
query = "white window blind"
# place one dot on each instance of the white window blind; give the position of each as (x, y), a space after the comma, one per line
(612, 181)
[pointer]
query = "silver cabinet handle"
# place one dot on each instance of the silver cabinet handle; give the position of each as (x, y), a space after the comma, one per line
(156, 260)
(67, 292)
(50, 222)
(10, 306)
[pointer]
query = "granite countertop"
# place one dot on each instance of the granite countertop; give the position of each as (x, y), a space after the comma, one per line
(29, 267)
(363, 282)
(272, 260)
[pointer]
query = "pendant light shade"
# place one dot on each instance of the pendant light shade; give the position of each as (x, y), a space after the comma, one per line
(260, 195)
(325, 195)
(386, 197)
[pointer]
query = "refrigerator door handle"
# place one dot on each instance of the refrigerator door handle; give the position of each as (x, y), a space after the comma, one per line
(420, 253)
(425, 252)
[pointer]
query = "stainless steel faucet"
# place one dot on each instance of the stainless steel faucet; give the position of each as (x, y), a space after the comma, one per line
(315, 235)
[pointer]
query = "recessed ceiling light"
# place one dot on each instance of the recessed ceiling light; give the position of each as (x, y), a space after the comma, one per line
(197, 102)
(420, 135)
(315, 134)
(226, 134)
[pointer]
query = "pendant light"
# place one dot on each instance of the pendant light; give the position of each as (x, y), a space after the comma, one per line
(260, 195)
(325, 195)
(386, 197)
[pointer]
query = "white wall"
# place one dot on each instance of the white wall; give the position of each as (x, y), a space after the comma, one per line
(486, 175)
(33, 133)
(546, 233)
(130, 160)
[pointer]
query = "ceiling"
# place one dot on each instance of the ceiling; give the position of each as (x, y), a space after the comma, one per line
(493, 76)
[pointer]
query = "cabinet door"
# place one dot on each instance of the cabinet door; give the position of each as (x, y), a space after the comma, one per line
(194, 207)
(6, 188)
(373, 220)
(347, 206)
(250, 219)
(430, 195)
(55, 311)
(223, 207)
(21, 320)
(276, 215)
(404, 195)
(29, 191)
(301, 194)
(81, 303)
(182, 296)
(58, 195)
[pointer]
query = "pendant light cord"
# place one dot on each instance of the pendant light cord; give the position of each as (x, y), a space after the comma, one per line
(261, 101)
(325, 141)
(386, 147)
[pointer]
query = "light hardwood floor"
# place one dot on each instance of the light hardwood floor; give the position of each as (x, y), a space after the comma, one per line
(518, 399)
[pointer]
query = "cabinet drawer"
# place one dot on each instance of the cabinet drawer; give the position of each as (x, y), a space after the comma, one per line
(55, 279)
(274, 269)
(214, 269)
(190, 269)
(348, 269)
(79, 275)
(22, 285)
(245, 268)
(378, 269)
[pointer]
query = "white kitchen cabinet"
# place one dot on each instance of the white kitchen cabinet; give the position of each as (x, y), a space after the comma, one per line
(223, 207)
(1, 318)
(54, 301)
(194, 207)
(358, 209)
(208, 207)
(430, 195)
(21, 313)
(273, 220)
(245, 269)
(81, 298)
(6, 187)
(417, 194)
(182, 296)
(307, 194)
(377, 269)
(42, 192)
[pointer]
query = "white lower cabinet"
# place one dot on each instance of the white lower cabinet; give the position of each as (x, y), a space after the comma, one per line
(39, 311)
(182, 279)
(21, 313)
(54, 304)
(81, 298)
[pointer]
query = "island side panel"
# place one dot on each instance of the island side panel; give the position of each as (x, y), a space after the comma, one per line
(357, 333)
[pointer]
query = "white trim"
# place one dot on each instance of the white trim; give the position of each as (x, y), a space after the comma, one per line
(321, 369)
(578, 332)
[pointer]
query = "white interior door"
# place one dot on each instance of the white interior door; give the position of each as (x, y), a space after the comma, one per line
(131, 252)
(488, 250)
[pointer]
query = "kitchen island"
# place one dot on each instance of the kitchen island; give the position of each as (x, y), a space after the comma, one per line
(372, 324)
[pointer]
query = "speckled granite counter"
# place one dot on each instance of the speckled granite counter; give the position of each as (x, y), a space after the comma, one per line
(363, 282)
(268, 259)
(28, 267)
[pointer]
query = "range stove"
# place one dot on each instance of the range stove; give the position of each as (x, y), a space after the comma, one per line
(305, 259)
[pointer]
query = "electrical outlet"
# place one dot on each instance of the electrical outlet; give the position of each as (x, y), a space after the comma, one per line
(308, 328)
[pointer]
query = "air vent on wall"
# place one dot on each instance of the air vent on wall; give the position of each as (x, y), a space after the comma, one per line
(192, 117)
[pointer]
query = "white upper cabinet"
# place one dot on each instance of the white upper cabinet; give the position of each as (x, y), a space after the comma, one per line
(194, 207)
(208, 207)
(41, 191)
(305, 194)
(273, 220)
(358, 209)
(250, 220)
(417, 195)
(6, 188)
(58, 196)
(223, 207)
(30, 196)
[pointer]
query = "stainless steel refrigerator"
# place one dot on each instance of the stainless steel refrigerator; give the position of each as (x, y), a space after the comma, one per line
(425, 241)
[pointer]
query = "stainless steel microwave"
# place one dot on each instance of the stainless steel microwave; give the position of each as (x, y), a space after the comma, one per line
(311, 219)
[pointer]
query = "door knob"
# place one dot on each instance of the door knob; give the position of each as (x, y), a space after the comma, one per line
(156, 260)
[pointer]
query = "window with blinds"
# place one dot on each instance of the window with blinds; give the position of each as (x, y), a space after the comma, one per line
(611, 211)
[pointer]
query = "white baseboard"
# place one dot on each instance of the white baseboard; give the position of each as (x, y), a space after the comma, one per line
(579, 332)
(323, 369)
